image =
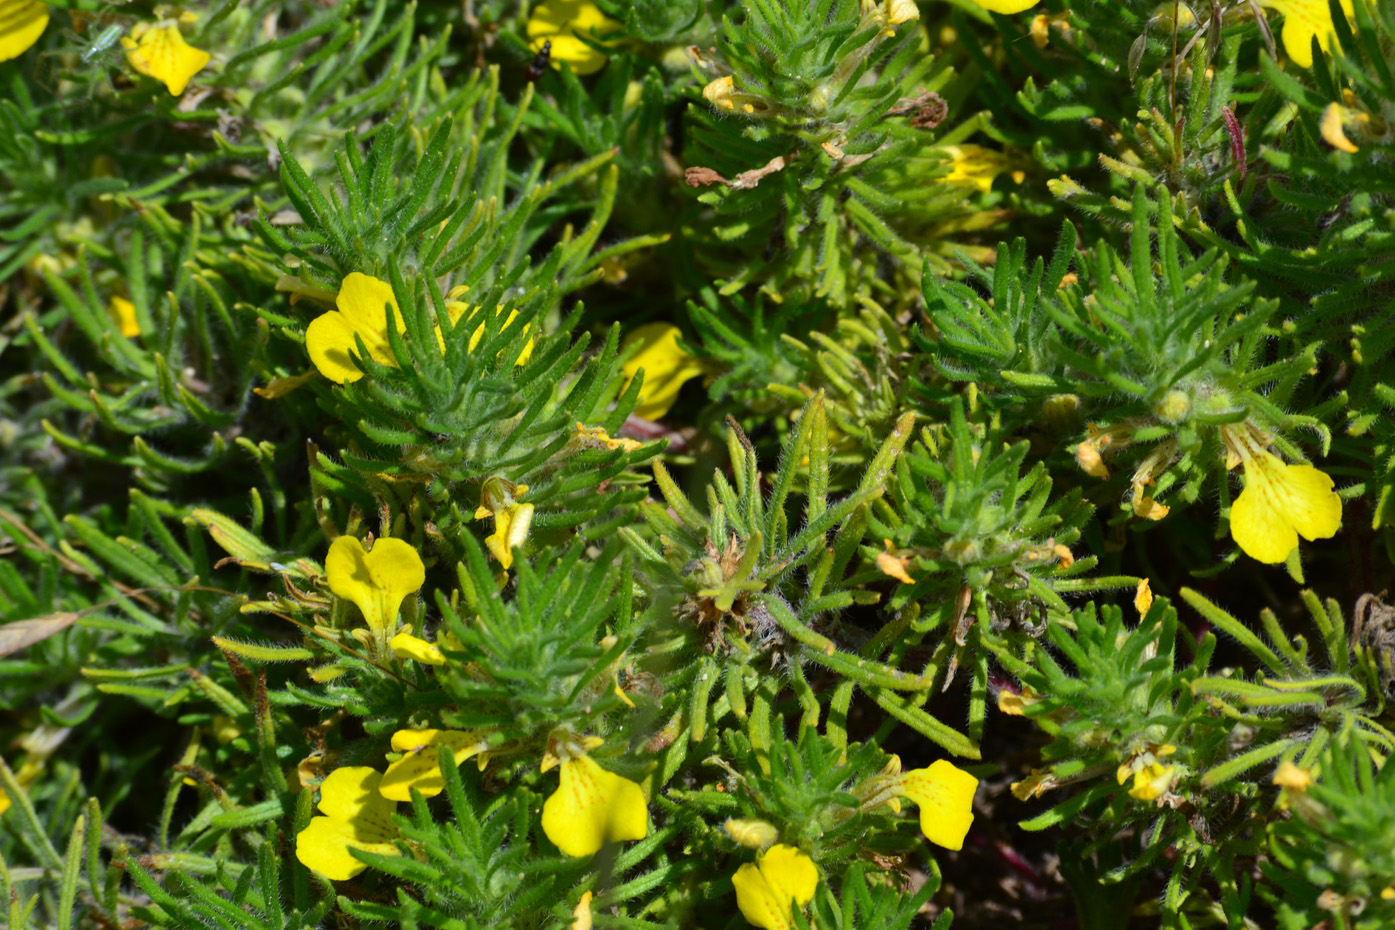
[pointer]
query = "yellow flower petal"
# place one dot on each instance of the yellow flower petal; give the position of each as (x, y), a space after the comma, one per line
(1088, 456)
(1292, 777)
(1143, 597)
(356, 816)
(974, 165)
(21, 24)
(945, 795)
(457, 310)
(560, 22)
(510, 531)
(592, 807)
(329, 340)
(420, 768)
(719, 92)
(1007, 7)
(581, 914)
(1304, 19)
(362, 301)
(407, 646)
(124, 313)
(1333, 128)
(376, 581)
(1281, 502)
(1152, 781)
(667, 367)
(766, 889)
(158, 50)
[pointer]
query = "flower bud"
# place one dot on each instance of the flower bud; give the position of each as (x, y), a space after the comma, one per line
(1174, 407)
(753, 834)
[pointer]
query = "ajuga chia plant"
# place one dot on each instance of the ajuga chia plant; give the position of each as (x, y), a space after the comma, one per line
(810, 154)
(453, 480)
(1150, 735)
(1169, 373)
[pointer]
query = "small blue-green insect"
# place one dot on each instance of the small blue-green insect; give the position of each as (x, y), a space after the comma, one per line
(105, 40)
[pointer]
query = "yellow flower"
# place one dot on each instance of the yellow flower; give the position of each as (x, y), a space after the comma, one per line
(561, 22)
(945, 795)
(766, 889)
(1152, 781)
(898, 11)
(1333, 126)
(498, 499)
(158, 50)
(667, 367)
(1304, 19)
(420, 768)
(362, 304)
(1280, 503)
(1292, 778)
(376, 581)
(28, 774)
(21, 24)
(356, 817)
(1007, 7)
(124, 313)
(591, 807)
(406, 646)
(976, 166)
(457, 309)
(1015, 705)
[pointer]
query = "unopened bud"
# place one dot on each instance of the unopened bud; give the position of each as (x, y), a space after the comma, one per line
(753, 834)
(1174, 407)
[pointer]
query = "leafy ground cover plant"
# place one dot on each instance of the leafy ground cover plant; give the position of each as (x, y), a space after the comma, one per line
(697, 463)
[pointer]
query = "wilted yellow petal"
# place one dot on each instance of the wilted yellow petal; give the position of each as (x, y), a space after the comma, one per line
(158, 50)
(1143, 597)
(581, 914)
(893, 567)
(719, 92)
(21, 24)
(1088, 457)
(767, 890)
(1014, 705)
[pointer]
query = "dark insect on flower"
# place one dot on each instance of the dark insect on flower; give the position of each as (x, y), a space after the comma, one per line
(539, 66)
